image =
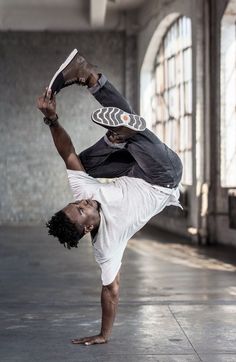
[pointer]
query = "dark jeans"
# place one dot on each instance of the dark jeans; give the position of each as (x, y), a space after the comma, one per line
(144, 155)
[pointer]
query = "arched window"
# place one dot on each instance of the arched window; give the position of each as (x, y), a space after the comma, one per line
(171, 101)
(228, 96)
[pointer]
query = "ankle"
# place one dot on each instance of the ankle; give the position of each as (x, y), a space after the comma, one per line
(92, 80)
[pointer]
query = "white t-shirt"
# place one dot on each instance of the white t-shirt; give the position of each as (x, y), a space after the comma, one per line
(127, 204)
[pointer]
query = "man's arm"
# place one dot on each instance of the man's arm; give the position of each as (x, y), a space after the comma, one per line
(65, 148)
(47, 105)
(109, 302)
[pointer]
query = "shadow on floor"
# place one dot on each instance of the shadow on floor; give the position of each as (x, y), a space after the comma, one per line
(223, 253)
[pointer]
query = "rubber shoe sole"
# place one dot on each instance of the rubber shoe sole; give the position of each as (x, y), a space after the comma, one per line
(115, 117)
(57, 80)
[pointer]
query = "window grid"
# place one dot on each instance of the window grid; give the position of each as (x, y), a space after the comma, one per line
(172, 96)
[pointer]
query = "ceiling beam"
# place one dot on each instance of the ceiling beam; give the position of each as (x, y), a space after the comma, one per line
(97, 12)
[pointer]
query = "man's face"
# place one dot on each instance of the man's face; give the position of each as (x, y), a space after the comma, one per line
(83, 212)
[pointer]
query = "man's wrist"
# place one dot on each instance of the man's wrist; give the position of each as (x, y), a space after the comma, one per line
(51, 121)
(105, 334)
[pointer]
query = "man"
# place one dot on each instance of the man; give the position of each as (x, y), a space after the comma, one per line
(147, 175)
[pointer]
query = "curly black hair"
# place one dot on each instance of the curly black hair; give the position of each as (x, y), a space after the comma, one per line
(67, 233)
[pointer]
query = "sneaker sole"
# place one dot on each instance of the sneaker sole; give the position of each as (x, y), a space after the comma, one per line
(115, 117)
(63, 66)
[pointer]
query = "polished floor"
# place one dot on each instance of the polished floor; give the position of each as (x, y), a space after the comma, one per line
(177, 303)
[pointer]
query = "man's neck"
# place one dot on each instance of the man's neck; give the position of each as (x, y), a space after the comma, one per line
(95, 230)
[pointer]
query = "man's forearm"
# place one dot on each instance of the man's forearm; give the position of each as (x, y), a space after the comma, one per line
(109, 301)
(62, 141)
(65, 147)
(47, 105)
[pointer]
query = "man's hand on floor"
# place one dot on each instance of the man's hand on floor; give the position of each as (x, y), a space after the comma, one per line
(109, 300)
(88, 341)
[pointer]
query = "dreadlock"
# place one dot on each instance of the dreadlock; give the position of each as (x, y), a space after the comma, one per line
(67, 233)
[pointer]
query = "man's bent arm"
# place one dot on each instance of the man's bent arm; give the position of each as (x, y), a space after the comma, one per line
(47, 105)
(65, 147)
(109, 301)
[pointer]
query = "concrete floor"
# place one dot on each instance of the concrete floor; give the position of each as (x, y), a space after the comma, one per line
(178, 302)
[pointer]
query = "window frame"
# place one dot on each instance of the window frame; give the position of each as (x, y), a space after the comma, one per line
(172, 92)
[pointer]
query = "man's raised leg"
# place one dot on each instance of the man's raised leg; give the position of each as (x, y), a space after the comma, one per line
(108, 157)
(76, 70)
(107, 95)
(152, 160)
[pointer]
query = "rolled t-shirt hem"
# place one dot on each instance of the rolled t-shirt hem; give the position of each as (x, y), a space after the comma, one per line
(82, 185)
(76, 172)
(108, 279)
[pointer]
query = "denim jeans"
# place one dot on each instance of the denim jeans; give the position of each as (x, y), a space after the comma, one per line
(144, 156)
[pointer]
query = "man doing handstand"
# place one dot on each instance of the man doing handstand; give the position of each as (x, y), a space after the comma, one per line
(146, 175)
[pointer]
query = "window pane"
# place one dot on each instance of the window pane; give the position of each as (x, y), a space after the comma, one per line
(171, 72)
(179, 68)
(181, 99)
(187, 64)
(188, 97)
(159, 78)
(165, 104)
(160, 130)
(173, 102)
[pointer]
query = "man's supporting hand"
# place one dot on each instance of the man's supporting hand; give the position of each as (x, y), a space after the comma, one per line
(47, 104)
(88, 341)
(109, 301)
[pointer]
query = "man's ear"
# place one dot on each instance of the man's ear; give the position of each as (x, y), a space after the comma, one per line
(88, 228)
